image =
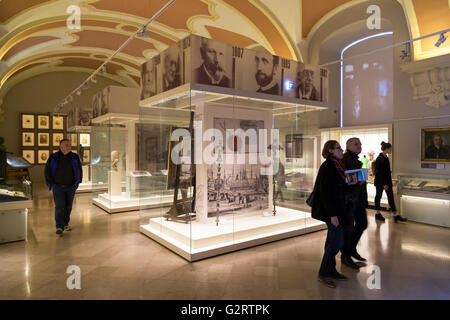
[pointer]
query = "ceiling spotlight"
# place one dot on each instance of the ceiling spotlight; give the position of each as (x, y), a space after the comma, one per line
(143, 33)
(70, 98)
(93, 80)
(441, 39)
(103, 70)
(85, 86)
(78, 92)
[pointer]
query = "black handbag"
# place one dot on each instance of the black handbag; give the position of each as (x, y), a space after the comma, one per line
(310, 199)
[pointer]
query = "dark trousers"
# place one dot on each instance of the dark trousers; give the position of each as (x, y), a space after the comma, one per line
(333, 244)
(390, 195)
(353, 228)
(63, 196)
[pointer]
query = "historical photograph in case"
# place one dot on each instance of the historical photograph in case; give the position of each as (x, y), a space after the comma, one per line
(103, 101)
(212, 62)
(86, 156)
(43, 122)
(27, 121)
(148, 79)
(29, 156)
(28, 139)
(58, 123)
(84, 117)
(43, 156)
(171, 68)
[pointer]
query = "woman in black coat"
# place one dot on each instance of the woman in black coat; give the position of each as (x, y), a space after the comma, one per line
(383, 181)
(328, 205)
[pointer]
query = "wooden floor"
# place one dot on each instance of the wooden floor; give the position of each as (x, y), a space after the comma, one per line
(117, 262)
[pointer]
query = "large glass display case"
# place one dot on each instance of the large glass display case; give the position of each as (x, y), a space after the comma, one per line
(218, 204)
(371, 138)
(425, 198)
(15, 200)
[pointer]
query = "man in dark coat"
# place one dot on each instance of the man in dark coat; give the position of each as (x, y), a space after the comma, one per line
(266, 70)
(63, 174)
(356, 221)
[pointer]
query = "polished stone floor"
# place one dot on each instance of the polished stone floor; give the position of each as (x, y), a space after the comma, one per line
(117, 262)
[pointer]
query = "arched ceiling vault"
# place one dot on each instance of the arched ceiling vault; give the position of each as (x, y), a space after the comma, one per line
(36, 38)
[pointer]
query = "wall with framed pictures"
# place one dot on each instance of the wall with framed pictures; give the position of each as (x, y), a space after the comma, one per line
(40, 135)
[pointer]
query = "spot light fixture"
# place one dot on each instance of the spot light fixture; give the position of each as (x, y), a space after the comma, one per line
(441, 39)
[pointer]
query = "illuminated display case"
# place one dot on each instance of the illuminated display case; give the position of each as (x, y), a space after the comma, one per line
(231, 151)
(425, 198)
(15, 200)
(371, 138)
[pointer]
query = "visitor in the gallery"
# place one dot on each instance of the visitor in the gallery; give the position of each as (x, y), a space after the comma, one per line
(266, 70)
(63, 174)
(356, 207)
(437, 149)
(328, 205)
(305, 88)
(383, 181)
(212, 71)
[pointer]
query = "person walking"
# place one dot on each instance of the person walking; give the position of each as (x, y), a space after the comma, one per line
(63, 174)
(383, 181)
(356, 207)
(328, 205)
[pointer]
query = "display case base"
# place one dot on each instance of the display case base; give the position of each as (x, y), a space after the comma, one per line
(431, 210)
(124, 203)
(89, 187)
(196, 241)
(13, 220)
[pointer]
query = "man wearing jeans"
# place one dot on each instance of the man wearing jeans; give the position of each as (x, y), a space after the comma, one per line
(63, 173)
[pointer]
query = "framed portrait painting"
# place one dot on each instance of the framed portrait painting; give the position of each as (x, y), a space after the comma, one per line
(27, 121)
(435, 144)
(28, 139)
(43, 139)
(43, 121)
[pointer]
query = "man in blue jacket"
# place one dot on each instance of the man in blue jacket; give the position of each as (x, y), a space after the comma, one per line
(63, 173)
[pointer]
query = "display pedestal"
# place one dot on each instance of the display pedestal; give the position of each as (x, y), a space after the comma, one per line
(431, 209)
(13, 220)
(123, 203)
(115, 183)
(85, 174)
(202, 240)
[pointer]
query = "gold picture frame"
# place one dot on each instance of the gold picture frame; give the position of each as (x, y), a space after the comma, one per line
(29, 155)
(435, 144)
(58, 123)
(56, 139)
(27, 121)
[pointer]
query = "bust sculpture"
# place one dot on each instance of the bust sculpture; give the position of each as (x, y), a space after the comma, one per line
(115, 160)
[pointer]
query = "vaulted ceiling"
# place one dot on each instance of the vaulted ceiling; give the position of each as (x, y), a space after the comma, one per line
(34, 37)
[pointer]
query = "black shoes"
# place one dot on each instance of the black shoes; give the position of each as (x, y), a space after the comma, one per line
(399, 218)
(358, 257)
(338, 276)
(379, 217)
(349, 263)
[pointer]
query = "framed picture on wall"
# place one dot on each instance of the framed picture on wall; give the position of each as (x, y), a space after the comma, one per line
(28, 139)
(73, 139)
(27, 121)
(86, 156)
(29, 156)
(85, 140)
(43, 139)
(56, 139)
(43, 156)
(43, 121)
(435, 144)
(58, 123)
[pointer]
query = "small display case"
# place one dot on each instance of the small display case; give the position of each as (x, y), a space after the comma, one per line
(425, 198)
(15, 199)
